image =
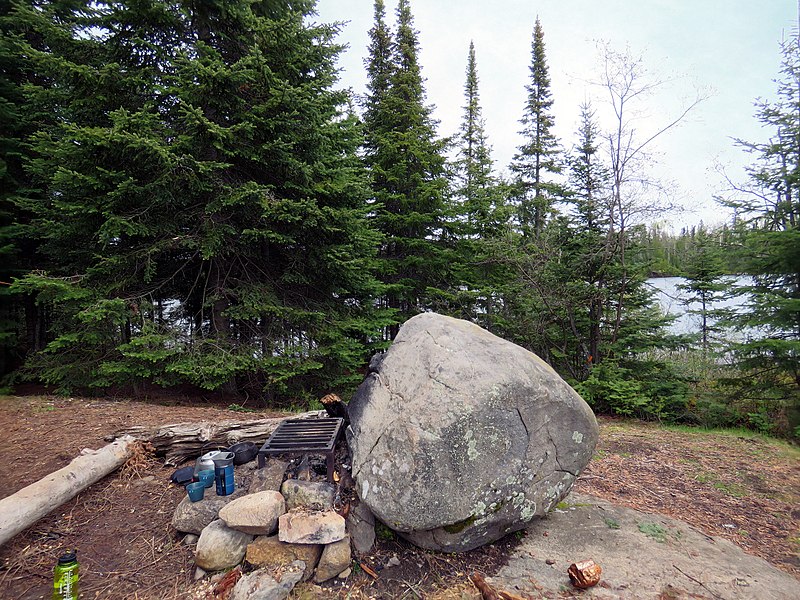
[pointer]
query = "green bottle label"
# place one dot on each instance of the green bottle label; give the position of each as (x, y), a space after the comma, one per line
(65, 582)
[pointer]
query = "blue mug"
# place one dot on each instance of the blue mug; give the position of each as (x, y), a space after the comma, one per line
(206, 477)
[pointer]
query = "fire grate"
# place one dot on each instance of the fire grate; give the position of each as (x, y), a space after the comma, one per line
(301, 436)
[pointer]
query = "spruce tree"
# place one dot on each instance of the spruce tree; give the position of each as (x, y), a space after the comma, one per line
(704, 285)
(537, 161)
(590, 250)
(479, 210)
(476, 186)
(770, 207)
(406, 161)
(217, 231)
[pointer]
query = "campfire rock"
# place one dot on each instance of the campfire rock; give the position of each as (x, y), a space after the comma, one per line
(256, 514)
(313, 495)
(262, 585)
(361, 525)
(335, 559)
(274, 554)
(300, 526)
(459, 437)
(220, 547)
(192, 517)
(270, 477)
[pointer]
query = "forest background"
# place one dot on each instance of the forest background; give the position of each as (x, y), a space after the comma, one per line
(189, 201)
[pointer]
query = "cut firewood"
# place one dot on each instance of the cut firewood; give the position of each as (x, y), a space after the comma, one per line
(23, 508)
(335, 407)
(368, 570)
(488, 592)
(179, 442)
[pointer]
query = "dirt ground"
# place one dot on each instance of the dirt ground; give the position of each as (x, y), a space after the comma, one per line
(743, 488)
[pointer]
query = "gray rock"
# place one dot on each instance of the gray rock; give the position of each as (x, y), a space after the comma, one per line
(192, 517)
(361, 525)
(199, 573)
(392, 562)
(686, 563)
(335, 558)
(256, 514)
(268, 478)
(300, 526)
(190, 539)
(261, 585)
(220, 547)
(313, 495)
(459, 437)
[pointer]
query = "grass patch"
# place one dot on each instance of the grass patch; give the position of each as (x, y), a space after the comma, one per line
(611, 523)
(654, 531)
(735, 490)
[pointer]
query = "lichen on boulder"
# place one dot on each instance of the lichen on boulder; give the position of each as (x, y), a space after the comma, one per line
(459, 437)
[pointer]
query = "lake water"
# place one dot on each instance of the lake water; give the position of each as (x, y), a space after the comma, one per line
(672, 301)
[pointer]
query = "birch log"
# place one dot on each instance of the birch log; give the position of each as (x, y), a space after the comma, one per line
(179, 442)
(23, 508)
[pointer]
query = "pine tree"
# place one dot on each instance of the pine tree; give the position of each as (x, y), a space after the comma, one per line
(770, 206)
(476, 187)
(537, 162)
(380, 69)
(407, 166)
(480, 213)
(591, 249)
(217, 231)
(705, 284)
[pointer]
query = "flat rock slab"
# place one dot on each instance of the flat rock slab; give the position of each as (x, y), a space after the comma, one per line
(642, 556)
(305, 527)
(313, 495)
(256, 514)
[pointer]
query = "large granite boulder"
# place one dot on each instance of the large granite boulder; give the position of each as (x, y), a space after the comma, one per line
(459, 437)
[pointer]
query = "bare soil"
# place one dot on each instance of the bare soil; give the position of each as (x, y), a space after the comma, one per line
(743, 488)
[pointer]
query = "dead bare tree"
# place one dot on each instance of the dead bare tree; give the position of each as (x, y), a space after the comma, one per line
(635, 192)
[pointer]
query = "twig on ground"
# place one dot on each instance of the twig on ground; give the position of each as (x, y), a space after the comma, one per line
(700, 583)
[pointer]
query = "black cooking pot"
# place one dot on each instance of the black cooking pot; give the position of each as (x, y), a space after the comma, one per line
(243, 452)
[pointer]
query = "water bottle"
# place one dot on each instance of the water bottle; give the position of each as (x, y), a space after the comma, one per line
(223, 473)
(65, 579)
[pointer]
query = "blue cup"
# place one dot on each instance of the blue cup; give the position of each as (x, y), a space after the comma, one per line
(206, 477)
(196, 491)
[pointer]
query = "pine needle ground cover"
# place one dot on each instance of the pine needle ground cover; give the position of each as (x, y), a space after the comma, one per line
(732, 484)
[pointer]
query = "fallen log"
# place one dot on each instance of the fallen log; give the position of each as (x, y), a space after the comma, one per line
(179, 442)
(23, 508)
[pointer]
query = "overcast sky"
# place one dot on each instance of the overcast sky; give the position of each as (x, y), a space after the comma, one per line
(726, 48)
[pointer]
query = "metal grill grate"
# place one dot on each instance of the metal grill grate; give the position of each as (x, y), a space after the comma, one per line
(300, 436)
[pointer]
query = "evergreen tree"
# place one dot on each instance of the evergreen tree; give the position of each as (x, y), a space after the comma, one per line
(537, 162)
(480, 213)
(407, 166)
(771, 208)
(380, 68)
(217, 233)
(591, 249)
(704, 284)
(476, 187)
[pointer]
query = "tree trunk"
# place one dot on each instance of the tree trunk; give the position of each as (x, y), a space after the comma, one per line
(22, 509)
(180, 442)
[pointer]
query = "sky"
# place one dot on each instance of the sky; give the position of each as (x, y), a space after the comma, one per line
(724, 50)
